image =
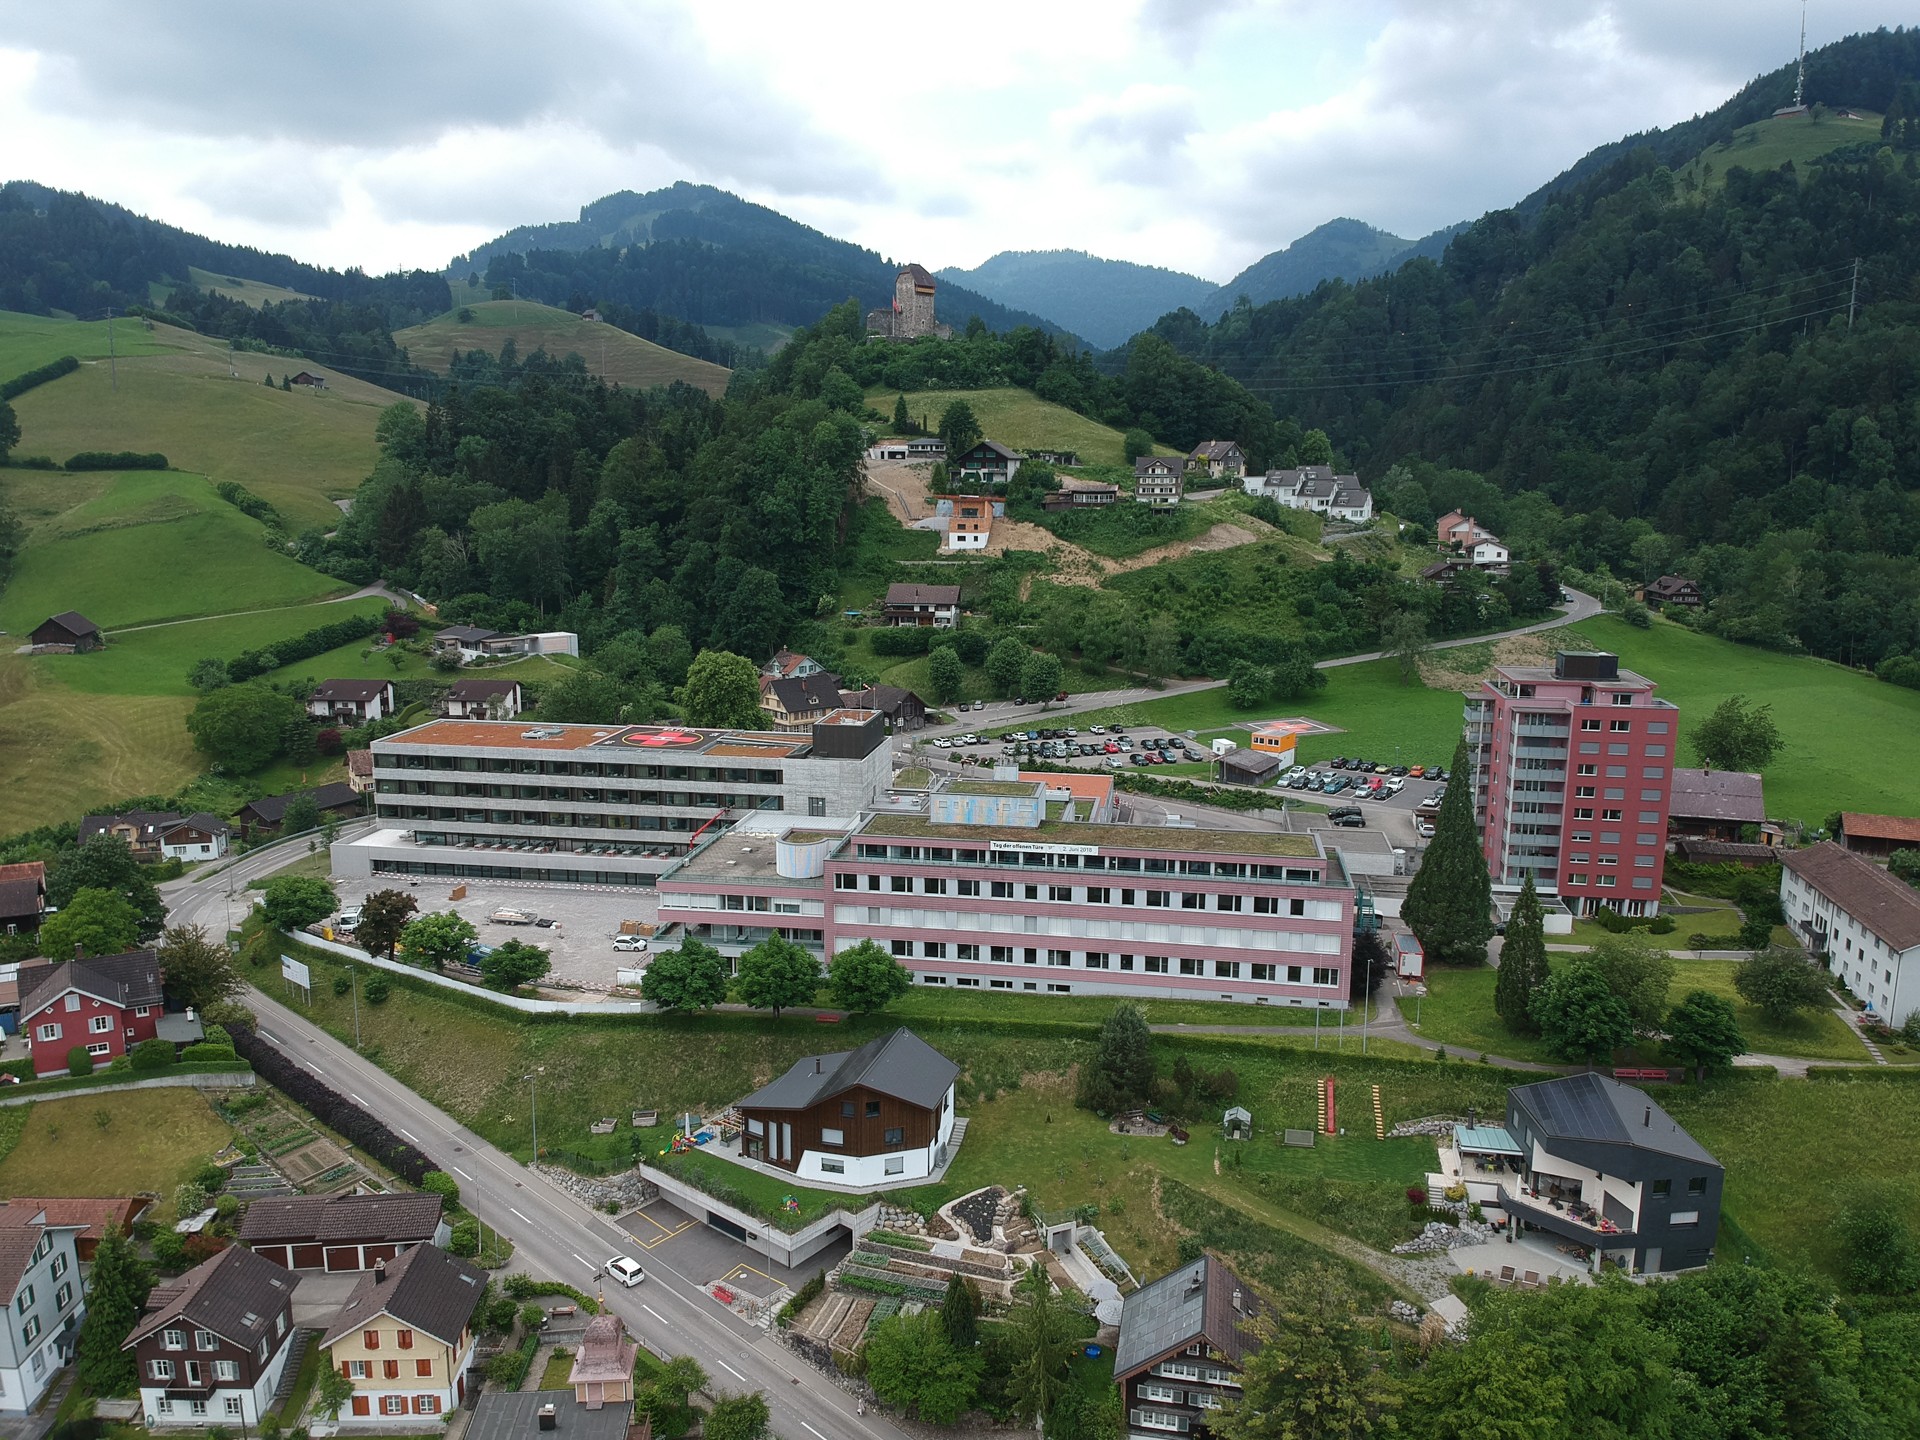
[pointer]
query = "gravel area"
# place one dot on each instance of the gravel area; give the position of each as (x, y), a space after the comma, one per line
(977, 1212)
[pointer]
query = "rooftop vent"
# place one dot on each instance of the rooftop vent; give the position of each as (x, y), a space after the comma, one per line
(549, 1418)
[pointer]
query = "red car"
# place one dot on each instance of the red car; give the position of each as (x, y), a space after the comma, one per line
(1061, 696)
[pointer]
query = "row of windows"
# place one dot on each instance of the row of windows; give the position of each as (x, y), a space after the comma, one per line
(1123, 864)
(707, 774)
(1654, 727)
(1222, 903)
(971, 982)
(232, 1406)
(890, 1165)
(1647, 817)
(1614, 772)
(469, 871)
(894, 1135)
(551, 820)
(1607, 882)
(389, 1369)
(1586, 792)
(164, 1370)
(1107, 960)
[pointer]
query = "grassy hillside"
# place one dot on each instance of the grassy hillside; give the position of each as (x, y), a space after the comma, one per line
(141, 547)
(248, 292)
(1018, 418)
(178, 394)
(609, 353)
(1772, 143)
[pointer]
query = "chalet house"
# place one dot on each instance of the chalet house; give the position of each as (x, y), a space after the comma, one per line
(1713, 804)
(879, 1115)
(1065, 458)
(602, 1371)
(213, 1344)
(790, 665)
(1158, 481)
(1184, 1341)
(903, 709)
(1862, 922)
(360, 771)
(103, 1004)
(354, 701)
(140, 831)
(796, 704)
(404, 1337)
(1671, 590)
(1318, 489)
(199, 836)
(970, 523)
(463, 640)
(592, 317)
(93, 1214)
(23, 896)
(1443, 572)
(338, 798)
(309, 380)
(40, 1286)
(908, 604)
(1602, 1165)
(1878, 835)
(1217, 460)
(337, 1234)
(987, 463)
(1079, 495)
(481, 700)
(69, 631)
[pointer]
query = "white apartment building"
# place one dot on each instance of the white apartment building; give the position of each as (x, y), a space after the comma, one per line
(1861, 922)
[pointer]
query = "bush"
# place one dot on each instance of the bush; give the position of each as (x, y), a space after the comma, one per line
(203, 1053)
(151, 1055)
(169, 1250)
(116, 460)
(378, 990)
(802, 1298)
(464, 1239)
(902, 640)
(40, 375)
(439, 1182)
(79, 1062)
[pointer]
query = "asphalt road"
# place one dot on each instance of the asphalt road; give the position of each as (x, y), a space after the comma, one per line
(553, 1234)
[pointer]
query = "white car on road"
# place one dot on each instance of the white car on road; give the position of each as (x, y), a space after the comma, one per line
(626, 1270)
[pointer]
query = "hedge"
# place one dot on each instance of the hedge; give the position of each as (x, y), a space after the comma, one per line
(316, 641)
(329, 1106)
(248, 503)
(116, 460)
(902, 640)
(526, 1287)
(802, 1298)
(20, 384)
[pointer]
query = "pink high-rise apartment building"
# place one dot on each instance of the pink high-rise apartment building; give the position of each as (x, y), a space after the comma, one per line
(1572, 767)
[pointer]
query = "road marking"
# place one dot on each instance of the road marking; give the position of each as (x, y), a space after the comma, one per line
(355, 1098)
(461, 1173)
(313, 1067)
(512, 1211)
(805, 1426)
(737, 1375)
(581, 1258)
(653, 1312)
(411, 1136)
(271, 1039)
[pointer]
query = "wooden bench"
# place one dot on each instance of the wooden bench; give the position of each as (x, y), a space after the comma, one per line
(561, 1312)
(824, 1019)
(1643, 1074)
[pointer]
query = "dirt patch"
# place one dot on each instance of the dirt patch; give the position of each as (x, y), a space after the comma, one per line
(1465, 666)
(903, 486)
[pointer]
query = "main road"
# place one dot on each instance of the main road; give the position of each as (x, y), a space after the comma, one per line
(553, 1234)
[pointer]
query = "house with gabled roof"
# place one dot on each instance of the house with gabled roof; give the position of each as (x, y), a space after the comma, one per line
(213, 1344)
(1159, 481)
(882, 1114)
(336, 797)
(342, 1233)
(987, 462)
(1858, 920)
(1184, 1341)
(94, 1214)
(404, 1338)
(481, 700)
(23, 896)
(911, 604)
(42, 1300)
(1671, 590)
(354, 701)
(1217, 460)
(796, 703)
(103, 1004)
(67, 632)
(1714, 804)
(1878, 835)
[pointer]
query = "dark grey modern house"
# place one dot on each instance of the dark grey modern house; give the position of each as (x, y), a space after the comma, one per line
(1600, 1164)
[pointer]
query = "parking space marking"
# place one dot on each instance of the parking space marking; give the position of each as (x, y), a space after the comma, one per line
(665, 1231)
(739, 1270)
(661, 1240)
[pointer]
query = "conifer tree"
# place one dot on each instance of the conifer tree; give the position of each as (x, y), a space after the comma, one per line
(1523, 962)
(960, 1312)
(902, 422)
(116, 1295)
(1449, 904)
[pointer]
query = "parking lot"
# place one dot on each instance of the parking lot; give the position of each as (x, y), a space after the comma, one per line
(668, 1239)
(579, 939)
(1094, 747)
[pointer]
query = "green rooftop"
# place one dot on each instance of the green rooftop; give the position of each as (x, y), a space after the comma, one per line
(992, 787)
(1115, 837)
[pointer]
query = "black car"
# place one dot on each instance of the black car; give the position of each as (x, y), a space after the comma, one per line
(1339, 762)
(1343, 812)
(1398, 770)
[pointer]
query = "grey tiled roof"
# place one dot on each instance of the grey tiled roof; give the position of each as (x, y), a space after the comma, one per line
(397, 1219)
(236, 1294)
(901, 1064)
(1195, 1301)
(1601, 1110)
(426, 1288)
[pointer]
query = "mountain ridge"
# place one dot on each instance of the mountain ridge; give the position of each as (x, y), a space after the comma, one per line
(1106, 301)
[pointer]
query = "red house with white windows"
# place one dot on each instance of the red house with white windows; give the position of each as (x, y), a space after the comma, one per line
(105, 1004)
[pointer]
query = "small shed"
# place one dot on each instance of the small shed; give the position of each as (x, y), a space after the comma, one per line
(1238, 1123)
(1409, 957)
(1250, 767)
(69, 630)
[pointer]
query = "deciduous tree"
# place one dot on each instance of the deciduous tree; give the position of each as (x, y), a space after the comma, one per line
(197, 969)
(292, 901)
(383, 915)
(912, 1364)
(864, 978)
(513, 964)
(1040, 677)
(1580, 1016)
(738, 1417)
(1004, 664)
(438, 939)
(242, 727)
(777, 974)
(945, 675)
(98, 922)
(1523, 961)
(723, 691)
(301, 814)
(692, 976)
(1781, 983)
(1640, 973)
(1449, 905)
(105, 863)
(1736, 735)
(1702, 1031)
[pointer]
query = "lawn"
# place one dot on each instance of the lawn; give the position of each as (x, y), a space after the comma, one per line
(610, 353)
(1769, 144)
(98, 555)
(118, 1143)
(204, 407)
(248, 292)
(1018, 418)
(930, 1002)
(1812, 776)
(758, 1194)
(559, 1367)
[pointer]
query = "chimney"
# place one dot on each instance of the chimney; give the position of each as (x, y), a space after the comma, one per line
(79, 951)
(1647, 1119)
(379, 1272)
(816, 1064)
(1236, 1301)
(549, 1418)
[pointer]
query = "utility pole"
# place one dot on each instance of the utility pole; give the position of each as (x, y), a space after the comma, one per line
(1853, 295)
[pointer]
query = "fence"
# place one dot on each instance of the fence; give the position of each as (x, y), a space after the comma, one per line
(224, 1078)
(492, 997)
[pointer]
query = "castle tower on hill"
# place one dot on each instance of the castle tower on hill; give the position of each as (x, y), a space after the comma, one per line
(911, 315)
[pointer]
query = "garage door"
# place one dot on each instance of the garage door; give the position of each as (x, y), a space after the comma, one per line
(726, 1226)
(309, 1257)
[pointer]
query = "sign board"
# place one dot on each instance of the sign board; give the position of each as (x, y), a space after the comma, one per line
(296, 971)
(1017, 847)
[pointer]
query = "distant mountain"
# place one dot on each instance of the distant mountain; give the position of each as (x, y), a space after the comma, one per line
(1107, 301)
(1339, 249)
(701, 254)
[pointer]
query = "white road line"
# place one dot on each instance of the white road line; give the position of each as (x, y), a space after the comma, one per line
(311, 1066)
(805, 1426)
(355, 1098)
(512, 1211)
(271, 1039)
(461, 1173)
(410, 1135)
(737, 1375)
(653, 1312)
(578, 1256)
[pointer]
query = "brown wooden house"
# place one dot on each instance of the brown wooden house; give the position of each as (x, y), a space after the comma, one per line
(213, 1344)
(879, 1115)
(340, 1233)
(1184, 1339)
(69, 630)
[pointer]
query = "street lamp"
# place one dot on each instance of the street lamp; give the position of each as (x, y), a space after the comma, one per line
(534, 1077)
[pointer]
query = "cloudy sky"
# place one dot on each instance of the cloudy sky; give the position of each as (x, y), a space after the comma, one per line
(1197, 134)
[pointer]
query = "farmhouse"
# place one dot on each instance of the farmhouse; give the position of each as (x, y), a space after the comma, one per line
(795, 704)
(355, 701)
(213, 1344)
(338, 798)
(199, 836)
(911, 315)
(1184, 1339)
(403, 1337)
(1158, 481)
(341, 1233)
(40, 1287)
(988, 463)
(1217, 460)
(1714, 804)
(102, 1004)
(1671, 590)
(308, 380)
(882, 1114)
(1863, 923)
(23, 896)
(908, 604)
(69, 631)
(481, 700)
(139, 830)
(91, 1212)
(1878, 835)
(903, 709)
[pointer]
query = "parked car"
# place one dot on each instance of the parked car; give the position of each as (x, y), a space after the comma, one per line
(1096, 729)
(1351, 822)
(1115, 762)
(1396, 785)
(630, 943)
(1423, 828)
(1299, 780)
(1416, 771)
(349, 919)
(625, 1270)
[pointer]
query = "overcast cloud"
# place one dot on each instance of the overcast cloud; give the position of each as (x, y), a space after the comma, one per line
(1197, 134)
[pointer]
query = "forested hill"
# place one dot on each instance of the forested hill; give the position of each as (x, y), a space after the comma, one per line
(701, 254)
(1656, 349)
(1105, 301)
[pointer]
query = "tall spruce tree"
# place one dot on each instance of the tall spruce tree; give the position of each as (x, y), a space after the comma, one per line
(1450, 903)
(960, 1313)
(116, 1294)
(1121, 1071)
(1523, 962)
